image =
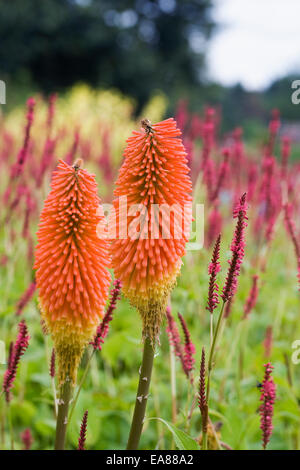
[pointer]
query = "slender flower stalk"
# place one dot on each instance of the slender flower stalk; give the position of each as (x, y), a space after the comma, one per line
(252, 298)
(237, 248)
(228, 308)
(52, 375)
(72, 276)
(222, 173)
(274, 126)
(83, 428)
(229, 289)
(268, 342)
(189, 350)
(266, 409)
(52, 364)
(174, 336)
(208, 135)
(202, 400)
(26, 297)
(103, 328)
(285, 155)
(214, 225)
(176, 350)
(18, 167)
(213, 288)
(16, 353)
(154, 175)
(101, 333)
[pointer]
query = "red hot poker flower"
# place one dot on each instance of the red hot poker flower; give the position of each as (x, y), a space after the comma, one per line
(71, 263)
(154, 177)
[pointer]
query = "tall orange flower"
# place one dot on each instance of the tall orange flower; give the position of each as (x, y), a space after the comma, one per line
(71, 263)
(150, 239)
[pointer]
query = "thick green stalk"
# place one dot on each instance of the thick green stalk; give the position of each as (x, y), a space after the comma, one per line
(141, 397)
(62, 415)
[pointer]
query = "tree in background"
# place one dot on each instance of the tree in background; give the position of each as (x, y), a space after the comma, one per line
(137, 46)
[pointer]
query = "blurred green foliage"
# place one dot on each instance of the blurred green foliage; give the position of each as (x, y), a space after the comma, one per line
(137, 46)
(110, 388)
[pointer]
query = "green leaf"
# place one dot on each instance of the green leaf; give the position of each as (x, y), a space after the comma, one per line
(182, 440)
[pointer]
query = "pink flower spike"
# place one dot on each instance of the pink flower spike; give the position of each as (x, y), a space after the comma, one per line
(52, 364)
(189, 349)
(27, 439)
(19, 348)
(202, 393)
(222, 173)
(213, 269)
(267, 397)
(252, 298)
(174, 336)
(18, 167)
(82, 436)
(26, 297)
(103, 328)
(237, 248)
(214, 226)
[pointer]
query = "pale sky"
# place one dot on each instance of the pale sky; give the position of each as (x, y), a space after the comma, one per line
(257, 41)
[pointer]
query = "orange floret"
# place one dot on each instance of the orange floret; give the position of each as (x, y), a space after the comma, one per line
(71, 263)
(147, 256)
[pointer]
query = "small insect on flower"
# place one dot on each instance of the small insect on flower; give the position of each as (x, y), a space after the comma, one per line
(154, 180)
(71, 263)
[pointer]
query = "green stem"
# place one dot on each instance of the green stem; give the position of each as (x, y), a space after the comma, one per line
(173, 384)
(141, 397)
(210, 368)
(11, 429)
(87, 367)
(54, 396)
(62, 415)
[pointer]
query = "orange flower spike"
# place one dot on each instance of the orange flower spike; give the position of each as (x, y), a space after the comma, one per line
(154, 171)
(71, 263)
